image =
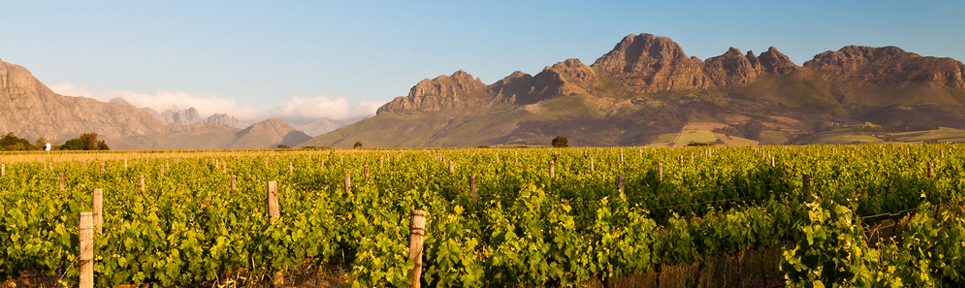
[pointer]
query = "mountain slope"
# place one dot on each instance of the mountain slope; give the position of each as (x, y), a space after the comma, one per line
(31, 110)
(647, 86)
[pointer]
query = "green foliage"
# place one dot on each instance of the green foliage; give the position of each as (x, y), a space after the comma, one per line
(86, 141)
(74, 144)
(831, 249)
(11, 142)
(521, 228)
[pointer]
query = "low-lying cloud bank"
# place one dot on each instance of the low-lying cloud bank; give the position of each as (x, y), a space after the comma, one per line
(298, 110)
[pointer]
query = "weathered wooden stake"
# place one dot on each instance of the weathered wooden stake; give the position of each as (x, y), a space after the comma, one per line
(417, 232)
(85, 259)
(621, 155)
(806, 181)
(348, 183)
(772, 161)
(98, 207)
(125, 164)
(3, 170)
(592, 168)
(660, 171)
(681, 161)
(102, 167)
(273, 201)
(381, 163)
(224, 166)
(452, 168)
(61, 182)
(552, 169)
(691, 157)
(142, 183)
(366, 168)
(291, 168)
(472, 188)
(620, 183)
(234, 183)
(931, 169)
(322, 165)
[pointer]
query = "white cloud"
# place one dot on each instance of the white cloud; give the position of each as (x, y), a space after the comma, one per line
(298, 110)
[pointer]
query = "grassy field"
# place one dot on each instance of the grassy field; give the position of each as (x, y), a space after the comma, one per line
(693, 136)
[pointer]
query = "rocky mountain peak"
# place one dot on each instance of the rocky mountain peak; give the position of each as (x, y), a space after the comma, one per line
(733, 67)
(438, 93)
(647, 63)
(890, 65)
(460, 83)
(775, 62)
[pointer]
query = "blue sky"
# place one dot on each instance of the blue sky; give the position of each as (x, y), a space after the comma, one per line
(291, 59)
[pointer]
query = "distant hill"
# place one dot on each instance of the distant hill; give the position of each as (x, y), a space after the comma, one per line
(647, 87)
(31, 110)
(320, 126)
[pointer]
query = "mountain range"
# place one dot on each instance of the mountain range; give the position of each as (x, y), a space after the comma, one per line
(646, 87)
(644, 91)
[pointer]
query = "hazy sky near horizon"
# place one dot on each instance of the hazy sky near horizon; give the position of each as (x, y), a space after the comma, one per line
(342, 59)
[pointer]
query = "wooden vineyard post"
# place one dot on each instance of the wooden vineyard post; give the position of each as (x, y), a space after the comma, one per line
(291, 168)
(381, 162)
(931, 169)
(552, 169)
(125, 164)
(98, 205)
(660, 171)
(234, 183)
(681, 161)
(272, 201)
(806, 181)
(691, 157)
(621, 156)
(472, 188)
(348, 183)
(102, 167)
(322, 165)
(366, 170)
(85, 259)
(266, 162)
(3, 170)
(592, 168)
(224, 166)
(61, 182)
(772, 161)
(943, 153)
(620, 183)
(417, 231)
(516, 157)
(452, 168)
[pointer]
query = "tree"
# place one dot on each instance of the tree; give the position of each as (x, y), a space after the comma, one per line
(560, 142)
(283, 146)
(74, 144)
(42, 142)
(102, 145)
(89, 140)
(357, 145)
(11, 142)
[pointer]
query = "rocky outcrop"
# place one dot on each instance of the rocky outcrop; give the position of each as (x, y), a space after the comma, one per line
(435, 94)
(775, 62)
(889, 65)
(732, 68)
(646, 63)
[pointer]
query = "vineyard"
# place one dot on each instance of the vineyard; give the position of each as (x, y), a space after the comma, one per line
(805, 216)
